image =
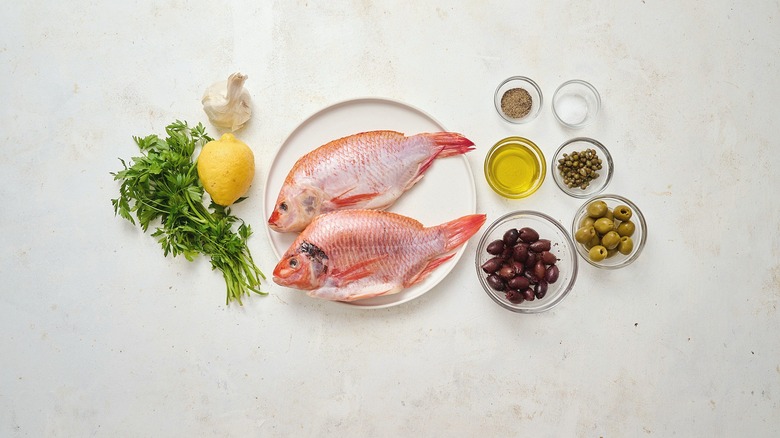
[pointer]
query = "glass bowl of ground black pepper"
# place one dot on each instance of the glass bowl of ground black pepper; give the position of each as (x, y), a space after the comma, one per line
(518, 99)
(582, 167)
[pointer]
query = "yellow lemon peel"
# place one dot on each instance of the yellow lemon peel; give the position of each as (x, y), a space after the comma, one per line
(226, 168)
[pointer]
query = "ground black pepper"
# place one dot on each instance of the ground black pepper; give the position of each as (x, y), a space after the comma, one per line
(516, 103)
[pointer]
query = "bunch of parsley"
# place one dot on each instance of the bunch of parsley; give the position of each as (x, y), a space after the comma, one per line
(163, 184)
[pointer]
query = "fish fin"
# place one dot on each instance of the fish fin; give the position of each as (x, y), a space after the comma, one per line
(430, 267)
(356, 272)
(458, 231)
(372, 294)
(446, 144)
(343, 201)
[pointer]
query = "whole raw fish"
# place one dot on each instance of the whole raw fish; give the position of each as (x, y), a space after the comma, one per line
(369, 170)
(350, 255)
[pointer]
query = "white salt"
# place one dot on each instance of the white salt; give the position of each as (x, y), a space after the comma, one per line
(572, 108)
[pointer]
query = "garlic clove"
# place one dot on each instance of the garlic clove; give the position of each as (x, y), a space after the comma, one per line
(227, 103)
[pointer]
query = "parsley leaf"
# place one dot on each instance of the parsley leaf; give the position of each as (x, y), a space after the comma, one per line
(161, 188)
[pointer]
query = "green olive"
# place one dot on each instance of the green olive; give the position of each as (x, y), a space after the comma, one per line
(597, 253)
(604, 225)
(593, 242)
(609, 214)
(626, 228)
(610, 240)
(585, 234)
(622, 212)
(611, 252)
(626, 245)
(587, 221)
(597, 209)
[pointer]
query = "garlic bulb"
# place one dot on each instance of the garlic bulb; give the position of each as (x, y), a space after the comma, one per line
(227, 103)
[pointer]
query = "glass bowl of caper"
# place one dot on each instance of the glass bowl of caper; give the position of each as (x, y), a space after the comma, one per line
(582, 167)
(526, 262)
(609, 231)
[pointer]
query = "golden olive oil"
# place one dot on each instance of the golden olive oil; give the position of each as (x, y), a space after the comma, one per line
(515, 168)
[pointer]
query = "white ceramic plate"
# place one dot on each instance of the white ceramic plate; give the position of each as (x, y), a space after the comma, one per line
(446, 191)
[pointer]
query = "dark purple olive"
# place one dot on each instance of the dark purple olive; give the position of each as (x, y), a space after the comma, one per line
(495, 247)
(520, 252)
(519, 282)
(514, 296)
(519, 267)
(528, 295)
(495, 282)
(528, 235)
(530, 261)
(510, 236)
(540, 290)
(539, 270)
(548, 258)
(506, 272)
(529, 275)
(551, 276)
(506, 254)
(492, 265)
(541, 245)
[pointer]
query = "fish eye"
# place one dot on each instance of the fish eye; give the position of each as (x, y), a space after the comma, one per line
(283, 206)
(293, 263)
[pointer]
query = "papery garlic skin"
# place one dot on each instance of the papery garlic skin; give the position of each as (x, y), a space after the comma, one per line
(227, 103)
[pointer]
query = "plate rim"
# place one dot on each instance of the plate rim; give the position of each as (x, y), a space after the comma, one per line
(351, 101)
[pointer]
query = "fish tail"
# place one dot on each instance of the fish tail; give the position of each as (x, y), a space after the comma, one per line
(446, 144)
(460, 230)
(451, 143)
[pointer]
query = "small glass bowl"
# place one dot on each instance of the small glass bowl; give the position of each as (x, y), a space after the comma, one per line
(562, 247)
(595, 186)
(576, 103)
(639, 237)
(526, 84)
(504, 165)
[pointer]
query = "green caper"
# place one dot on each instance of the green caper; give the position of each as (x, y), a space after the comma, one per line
(626, 245)
(622, 212)
(587, 221)
(578, 169)
(597, 253)
(610, 240)
(584, 234)
(626, 228)
(597, 209)
(604, 225)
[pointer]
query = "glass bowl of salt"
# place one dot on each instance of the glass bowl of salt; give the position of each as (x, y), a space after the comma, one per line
(576, 103)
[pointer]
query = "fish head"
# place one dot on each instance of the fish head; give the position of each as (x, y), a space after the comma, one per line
(304, 266)
(294, 209)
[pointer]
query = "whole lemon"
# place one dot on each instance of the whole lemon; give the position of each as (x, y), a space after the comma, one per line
(226, 168)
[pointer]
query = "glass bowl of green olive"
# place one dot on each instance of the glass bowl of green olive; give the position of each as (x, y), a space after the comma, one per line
(582, 167)
(609, 231)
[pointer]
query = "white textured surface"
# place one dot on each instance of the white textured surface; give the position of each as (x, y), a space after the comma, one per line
(102, 336)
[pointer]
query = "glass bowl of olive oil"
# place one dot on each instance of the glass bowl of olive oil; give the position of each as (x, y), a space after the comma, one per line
(515, 167)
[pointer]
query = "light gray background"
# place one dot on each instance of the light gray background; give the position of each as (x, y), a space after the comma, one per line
(103, 336)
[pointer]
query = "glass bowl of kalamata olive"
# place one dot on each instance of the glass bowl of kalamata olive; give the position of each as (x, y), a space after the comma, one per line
(609, 231)
(526, 262)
